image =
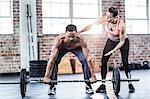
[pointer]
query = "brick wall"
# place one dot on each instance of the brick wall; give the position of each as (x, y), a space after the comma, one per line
(39, 17)
(9, 45)
(120, 4)
(139, 48)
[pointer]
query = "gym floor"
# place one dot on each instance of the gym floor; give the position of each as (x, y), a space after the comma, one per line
(77, 90)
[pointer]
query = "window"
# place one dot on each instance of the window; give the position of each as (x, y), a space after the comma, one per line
(81, 8)
(6, 24)
(136, 17)
(148, 8)
(57, 14)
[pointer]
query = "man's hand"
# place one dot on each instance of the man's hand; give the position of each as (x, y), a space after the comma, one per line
(93, 79)
(109, 53)
(46, 79)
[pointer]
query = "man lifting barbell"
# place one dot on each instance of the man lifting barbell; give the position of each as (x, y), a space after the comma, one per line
(70, 41)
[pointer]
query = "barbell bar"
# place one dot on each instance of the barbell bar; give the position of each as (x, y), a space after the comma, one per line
(63, 81)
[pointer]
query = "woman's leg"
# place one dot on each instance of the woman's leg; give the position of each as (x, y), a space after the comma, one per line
(125, 53)
(108, 47)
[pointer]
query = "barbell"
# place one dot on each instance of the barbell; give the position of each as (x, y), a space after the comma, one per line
(24, 81)
(63, 81)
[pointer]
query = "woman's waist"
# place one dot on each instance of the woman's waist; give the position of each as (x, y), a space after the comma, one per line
(115, 39)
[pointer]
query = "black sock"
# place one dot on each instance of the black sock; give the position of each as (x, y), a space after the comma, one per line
(89, 84)
(51, 86)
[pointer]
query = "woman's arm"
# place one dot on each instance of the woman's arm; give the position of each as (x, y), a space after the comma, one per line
(121, 36)
(88, 27)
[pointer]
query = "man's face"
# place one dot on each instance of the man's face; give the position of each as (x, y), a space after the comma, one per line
(71, 33)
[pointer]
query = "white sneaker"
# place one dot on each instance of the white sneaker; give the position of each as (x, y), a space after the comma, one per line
(52, 90)
(89, 90)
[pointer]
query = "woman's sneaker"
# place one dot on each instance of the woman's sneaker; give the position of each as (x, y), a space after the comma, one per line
(52, 90)
(89, 90)
(101, 89)
(131, 88)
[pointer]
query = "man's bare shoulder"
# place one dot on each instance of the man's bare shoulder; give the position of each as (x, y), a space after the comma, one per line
(58, 40)
(60, 36)
(80, 36)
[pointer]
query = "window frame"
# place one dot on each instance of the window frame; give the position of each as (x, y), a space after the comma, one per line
(71, 17)
(147, 5)
(9, 17)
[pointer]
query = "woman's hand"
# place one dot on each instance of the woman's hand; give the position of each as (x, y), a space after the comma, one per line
(109, 53)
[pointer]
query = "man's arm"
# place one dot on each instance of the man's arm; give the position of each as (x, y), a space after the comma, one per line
(53, 55)
(88, 57)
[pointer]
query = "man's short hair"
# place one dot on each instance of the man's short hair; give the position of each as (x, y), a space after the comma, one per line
(71, 28)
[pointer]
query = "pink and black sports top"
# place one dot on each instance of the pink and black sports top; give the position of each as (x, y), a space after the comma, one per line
(113, 34)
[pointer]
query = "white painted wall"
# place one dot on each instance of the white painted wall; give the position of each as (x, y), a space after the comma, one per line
(24, 39)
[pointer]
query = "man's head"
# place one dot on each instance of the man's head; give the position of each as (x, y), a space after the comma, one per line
(70, 31)
(111, 14)
(71, 28)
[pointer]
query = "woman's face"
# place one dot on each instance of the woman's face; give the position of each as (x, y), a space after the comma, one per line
(110, 17)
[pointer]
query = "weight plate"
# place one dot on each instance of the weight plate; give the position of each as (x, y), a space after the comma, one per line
(116, 80)
(23, 82)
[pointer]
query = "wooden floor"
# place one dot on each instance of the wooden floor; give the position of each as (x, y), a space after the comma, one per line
(77, 90)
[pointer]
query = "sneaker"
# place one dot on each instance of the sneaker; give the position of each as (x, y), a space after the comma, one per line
(101, 89)
(89, 90)
(52, 90)
(131, 88)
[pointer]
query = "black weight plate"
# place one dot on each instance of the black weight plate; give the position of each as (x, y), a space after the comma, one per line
(116, 80)
(23, 83)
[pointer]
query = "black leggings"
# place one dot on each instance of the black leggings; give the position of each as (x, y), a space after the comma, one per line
(124, 54)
